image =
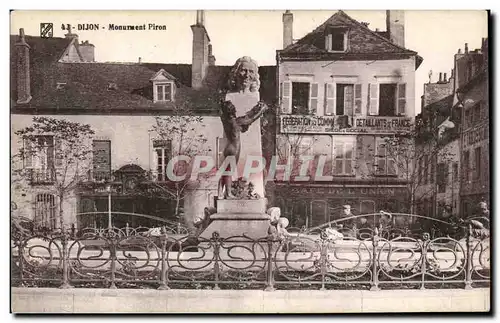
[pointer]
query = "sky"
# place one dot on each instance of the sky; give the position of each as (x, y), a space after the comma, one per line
(435, 35)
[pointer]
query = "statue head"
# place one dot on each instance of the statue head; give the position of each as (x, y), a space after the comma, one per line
(244, 75)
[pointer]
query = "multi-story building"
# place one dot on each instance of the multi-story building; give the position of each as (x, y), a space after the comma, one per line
(455, 134)
(437, 149)
(58, 78)
(473, 98)
(343, 89)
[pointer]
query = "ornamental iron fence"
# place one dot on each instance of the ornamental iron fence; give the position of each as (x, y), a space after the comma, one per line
(376, 257)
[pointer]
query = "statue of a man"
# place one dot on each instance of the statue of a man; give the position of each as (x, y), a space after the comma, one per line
(240, 110)
(233, 127)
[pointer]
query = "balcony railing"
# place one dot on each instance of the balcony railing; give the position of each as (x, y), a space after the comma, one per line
(41, 177)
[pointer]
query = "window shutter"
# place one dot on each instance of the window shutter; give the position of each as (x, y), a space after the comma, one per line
(313, 98)
(286, 97)
(348, 100)
(330, 97)
(373, 93)
(57, 152)
(357, 98)
(402, 99)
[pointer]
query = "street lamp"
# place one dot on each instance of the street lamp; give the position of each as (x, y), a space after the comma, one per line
(108, 189)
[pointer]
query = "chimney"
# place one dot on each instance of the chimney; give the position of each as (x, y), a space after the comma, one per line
(201, 42)
(140, 60)
(87, 51)
(287, 29)
(466, 48)
(460, 51)
(440, 77)
(70, 34)
(211, 57)
(395, 21)
(23, 69)
(444, 78)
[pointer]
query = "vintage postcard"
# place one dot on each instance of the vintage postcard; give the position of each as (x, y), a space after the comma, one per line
(279, 161)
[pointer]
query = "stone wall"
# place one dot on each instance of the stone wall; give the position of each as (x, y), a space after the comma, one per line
(44, 300)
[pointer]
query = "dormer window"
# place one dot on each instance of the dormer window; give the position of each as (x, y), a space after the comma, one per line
(164, 92)
(163, 87)
(336, 40)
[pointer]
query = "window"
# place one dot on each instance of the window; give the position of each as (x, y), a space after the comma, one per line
(342, 99)
(101, 159)
(45, 211)
(387, 99)
(466, 166)
(163, 151)
(163, 92)
(478, 160)
(384, 161)
(300, 98)
(442, 176)
(345, 99)
(40, 158)
(344, 158)
(336, 40)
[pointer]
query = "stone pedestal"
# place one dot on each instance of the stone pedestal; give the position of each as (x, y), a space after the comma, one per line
(239, 217)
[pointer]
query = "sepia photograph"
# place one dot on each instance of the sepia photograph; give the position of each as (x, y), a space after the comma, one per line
(266, 161)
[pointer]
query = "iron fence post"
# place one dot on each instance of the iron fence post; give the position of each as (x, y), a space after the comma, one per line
(112, 254)
(65, 259)
(469, 264)
(270, 272)
(216, 243)
(323, 259)
(424, 262)
(163, 274)
(375, 240)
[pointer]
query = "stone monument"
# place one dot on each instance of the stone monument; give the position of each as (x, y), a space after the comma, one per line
(241, 206)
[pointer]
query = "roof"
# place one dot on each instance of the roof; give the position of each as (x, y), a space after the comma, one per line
(364, 43)
(85, 86)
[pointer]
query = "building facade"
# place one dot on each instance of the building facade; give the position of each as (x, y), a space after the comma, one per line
(343, 89)
(58, 78)
(473, 99)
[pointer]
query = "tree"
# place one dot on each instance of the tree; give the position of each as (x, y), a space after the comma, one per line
(413, 157)
(183, 132)
(55, 151)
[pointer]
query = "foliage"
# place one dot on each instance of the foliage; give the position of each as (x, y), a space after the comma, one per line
(66, 148)
(186, 133)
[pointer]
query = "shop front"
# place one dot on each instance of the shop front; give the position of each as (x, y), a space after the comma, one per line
(314, 205)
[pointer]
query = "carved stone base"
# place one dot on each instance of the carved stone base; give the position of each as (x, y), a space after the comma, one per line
(254, 228)
(239, 217)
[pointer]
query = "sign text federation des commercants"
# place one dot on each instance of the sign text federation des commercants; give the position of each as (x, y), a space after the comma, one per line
(342, 124)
